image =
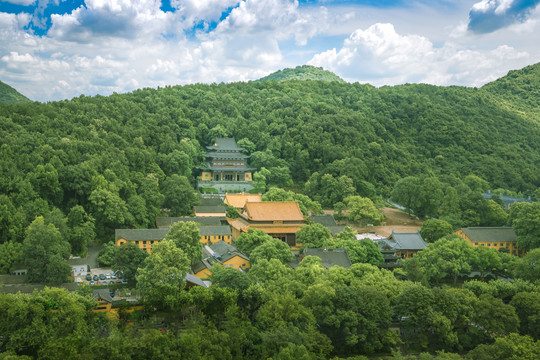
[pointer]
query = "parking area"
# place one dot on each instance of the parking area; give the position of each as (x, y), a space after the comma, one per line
(101, 276)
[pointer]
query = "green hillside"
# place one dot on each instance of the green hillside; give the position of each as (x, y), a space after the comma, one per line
(519, 90)
(124, 157)
(9, 95)
(305, 72)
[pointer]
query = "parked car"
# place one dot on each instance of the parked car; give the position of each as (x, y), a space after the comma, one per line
(88, 277)
(118, 281)
(119, 275)
(108, 276)
(101, 276)
(113, 276)
(98, 283)
(92, 283)
(96, 278)
(104, 282)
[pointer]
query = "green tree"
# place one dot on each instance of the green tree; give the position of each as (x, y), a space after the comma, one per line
(414, 308)
(161, 277)
(127, 259)
(271, 249)
(476, 183)
(179, 195)
(493, 318)
(109, 209)
(433, 229)
(232, 213)
(512, 347)
(186, 236)
(406, 193)
(247, 242)
(495, 215)
(45, 252)
(107, 254)
(447, 257)
(527, 306)
(487, 259)
(525, 219)
(45, 180)
(81, 229)
(450, 203)
(248, 146)
(260, 179)
(362, 210)
(313, 235)
(363, 251)
(230, 278)
(10, 255)
(529, 266)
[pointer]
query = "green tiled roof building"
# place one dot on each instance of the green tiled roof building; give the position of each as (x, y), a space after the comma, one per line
(226, 168)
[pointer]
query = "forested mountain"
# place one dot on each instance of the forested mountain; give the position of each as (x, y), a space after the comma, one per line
(305, 72)
(9, 95)
(124, 157)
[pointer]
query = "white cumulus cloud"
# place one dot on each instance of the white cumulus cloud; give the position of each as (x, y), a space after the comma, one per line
(381, 56)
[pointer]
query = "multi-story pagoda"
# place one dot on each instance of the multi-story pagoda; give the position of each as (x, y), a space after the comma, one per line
(226, 168)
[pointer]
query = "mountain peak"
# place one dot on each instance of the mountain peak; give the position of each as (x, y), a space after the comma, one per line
(304, 72)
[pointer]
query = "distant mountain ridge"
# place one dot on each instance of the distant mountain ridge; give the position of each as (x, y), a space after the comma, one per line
(9, 95)
(304, 72)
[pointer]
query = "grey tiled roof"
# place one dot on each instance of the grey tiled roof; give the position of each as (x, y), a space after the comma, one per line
(141, 234)
(224, 251)
(195, 280)
(328, 221)
(205, 263)
(408, 241)
(325, 219)
(211, 201)
(215, 230)
(330, 257)
(203, 220)
(494, 234)
(201, 209)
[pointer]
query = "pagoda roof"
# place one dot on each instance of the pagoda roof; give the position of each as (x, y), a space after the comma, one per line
(239, 169)
(225, 144)
(220, 155)
(406, 241)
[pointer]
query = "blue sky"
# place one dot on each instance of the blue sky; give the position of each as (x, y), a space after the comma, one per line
(59, 49)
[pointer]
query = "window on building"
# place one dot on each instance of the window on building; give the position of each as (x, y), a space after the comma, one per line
(501, 244)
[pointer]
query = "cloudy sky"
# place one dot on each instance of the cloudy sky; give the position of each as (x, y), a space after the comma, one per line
(59, 49)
